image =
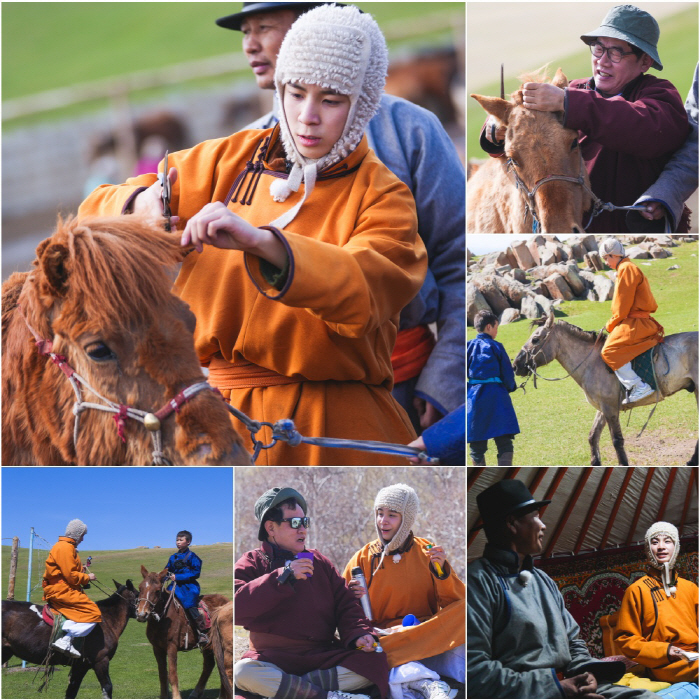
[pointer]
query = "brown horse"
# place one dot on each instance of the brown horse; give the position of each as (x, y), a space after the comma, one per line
(169, 630)
(542, 174)
(26, 635)
(222, 646)
(98, 301)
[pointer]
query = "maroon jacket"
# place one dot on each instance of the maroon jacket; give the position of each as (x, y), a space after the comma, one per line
(307, 613)
(625, 140)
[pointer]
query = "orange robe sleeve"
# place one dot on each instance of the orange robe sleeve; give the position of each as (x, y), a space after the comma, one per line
(628, 279)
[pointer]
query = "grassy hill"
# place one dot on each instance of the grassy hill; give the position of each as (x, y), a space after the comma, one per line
(133, 669)
(555, 418)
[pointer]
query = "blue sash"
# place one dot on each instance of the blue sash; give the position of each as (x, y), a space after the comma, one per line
(490, 380)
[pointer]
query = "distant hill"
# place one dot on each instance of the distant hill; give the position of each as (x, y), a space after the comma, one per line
(217, 570)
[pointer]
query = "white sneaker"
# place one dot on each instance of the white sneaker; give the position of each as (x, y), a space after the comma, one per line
(65, 646)
(341, 694)
(431, 689)
(640, 391)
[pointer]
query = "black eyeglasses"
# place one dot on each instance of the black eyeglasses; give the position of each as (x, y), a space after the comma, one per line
(296, 523)
(614, 54)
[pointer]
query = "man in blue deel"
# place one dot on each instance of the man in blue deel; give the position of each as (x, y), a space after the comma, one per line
(185, 567)
(490, 412)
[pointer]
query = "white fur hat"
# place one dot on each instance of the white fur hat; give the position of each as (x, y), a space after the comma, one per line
(611, 246)
(666, 568)
(76, 529)
(342, 49)
(402, 499)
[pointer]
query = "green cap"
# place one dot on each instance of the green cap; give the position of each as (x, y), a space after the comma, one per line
(632, 25)
(270, 499)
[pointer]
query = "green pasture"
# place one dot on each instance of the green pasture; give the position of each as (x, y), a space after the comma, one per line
(555, 418)
(49, 45)
(678, 47)
(133, 669)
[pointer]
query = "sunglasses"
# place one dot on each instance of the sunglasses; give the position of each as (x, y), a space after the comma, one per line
(296, 523)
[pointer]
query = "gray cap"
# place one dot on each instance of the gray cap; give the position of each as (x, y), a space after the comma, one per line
(632, 25)
(76, 529)
(270, 499)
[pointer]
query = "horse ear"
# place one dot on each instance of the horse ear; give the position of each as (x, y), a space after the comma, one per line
(550, 319)
(52, 260)
(144, 571)
(163, 574)
(129, 585)
(118, 585)
(496, 106)
(560, 80)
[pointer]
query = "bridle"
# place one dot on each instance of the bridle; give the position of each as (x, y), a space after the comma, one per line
(529, 195)
(152, 421)
(152, 612)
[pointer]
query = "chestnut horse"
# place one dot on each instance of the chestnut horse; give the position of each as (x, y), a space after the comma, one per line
(98, 302)
(26, 635)
(578, 352)
(222, 646)
(541, 175)
(169, 630)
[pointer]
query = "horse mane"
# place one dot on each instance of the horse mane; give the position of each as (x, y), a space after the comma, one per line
(575, 331)
(112, 601)
(113, 263)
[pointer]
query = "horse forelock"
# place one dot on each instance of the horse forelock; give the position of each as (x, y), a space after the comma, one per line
(117, 271)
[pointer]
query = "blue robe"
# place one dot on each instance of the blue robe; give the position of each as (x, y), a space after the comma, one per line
(490, 411)
(187, 567)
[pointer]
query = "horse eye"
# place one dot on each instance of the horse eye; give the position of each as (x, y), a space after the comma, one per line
(574, 144)
(100, 352)
(535, 340)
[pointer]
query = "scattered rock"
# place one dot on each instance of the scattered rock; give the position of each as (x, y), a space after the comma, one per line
(522, 255)
(658, 252)
(558, 287)
(604, 288)
(509, 315)
(475, 303)
(674, 267)
(593, 260)
(637, 253)
(493, 295)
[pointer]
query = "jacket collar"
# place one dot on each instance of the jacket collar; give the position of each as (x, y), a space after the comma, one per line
(70, 540)
(626, 91)
(506, 559)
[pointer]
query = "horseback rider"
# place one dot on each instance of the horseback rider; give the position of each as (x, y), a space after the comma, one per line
(63, 581)
(631, 328)
(185, 567)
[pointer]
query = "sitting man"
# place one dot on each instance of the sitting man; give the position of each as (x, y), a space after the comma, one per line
(292, 607)
(63, 581)
(522, 642)
(629, 124)
(407, 576)
(631, 327)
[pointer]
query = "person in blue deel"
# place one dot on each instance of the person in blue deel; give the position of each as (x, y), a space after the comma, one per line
(490, 412)
(184, 568)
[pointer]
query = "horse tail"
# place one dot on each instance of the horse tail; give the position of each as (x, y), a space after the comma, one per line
(217, 644)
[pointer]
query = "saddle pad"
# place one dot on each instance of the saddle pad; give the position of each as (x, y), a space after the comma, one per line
(642, 365)
(205, 611)
(47, 615)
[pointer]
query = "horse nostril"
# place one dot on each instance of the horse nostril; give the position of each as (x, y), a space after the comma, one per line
(576, 229)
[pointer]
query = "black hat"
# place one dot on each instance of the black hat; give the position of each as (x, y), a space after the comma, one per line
(505, 498)
(251, 8)
(270, 499)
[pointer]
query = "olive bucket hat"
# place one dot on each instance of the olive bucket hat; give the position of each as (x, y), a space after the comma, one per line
(632, 25)
(271, 498)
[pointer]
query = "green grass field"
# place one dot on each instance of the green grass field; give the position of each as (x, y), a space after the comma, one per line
(133, 669)
(678, 45)
(555, 418)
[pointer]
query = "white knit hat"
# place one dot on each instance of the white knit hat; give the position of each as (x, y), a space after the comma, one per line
(611, 246)
(402, 499)
(337, 48)
(76, 529)
(656, 530)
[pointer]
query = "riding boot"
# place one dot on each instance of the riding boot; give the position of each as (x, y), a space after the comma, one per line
(479, 462)
(505, 459)
(200, 623)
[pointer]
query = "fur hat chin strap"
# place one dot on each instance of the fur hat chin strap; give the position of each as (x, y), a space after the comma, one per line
(281, 192)
(667, 580)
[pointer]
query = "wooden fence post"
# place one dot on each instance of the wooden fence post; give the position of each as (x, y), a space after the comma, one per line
(13, 569)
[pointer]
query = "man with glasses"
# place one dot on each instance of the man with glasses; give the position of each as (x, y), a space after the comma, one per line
(292, 600)
(629, 123)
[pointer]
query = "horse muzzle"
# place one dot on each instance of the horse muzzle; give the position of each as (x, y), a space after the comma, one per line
(520, 365)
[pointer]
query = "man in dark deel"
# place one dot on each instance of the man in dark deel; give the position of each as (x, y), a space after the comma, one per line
(629, 123)
(411, 142)
(522, 642)
(292, 605)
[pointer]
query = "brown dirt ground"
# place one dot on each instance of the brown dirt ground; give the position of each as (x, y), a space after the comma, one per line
(654, 447)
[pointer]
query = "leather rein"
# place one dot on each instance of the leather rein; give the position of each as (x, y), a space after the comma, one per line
(151, 420)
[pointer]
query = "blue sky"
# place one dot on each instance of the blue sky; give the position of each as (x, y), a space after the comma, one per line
(123, 508)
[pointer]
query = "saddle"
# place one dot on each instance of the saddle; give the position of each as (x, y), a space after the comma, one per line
(205, 613)
(643, 366)
(47, 614)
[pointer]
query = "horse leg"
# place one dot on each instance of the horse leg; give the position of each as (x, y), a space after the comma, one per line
(694, 459)
(617, 439)
(77, 673)
(172, 671)
(208, 664)
(102, 672)
(594, 438)
(162, 661)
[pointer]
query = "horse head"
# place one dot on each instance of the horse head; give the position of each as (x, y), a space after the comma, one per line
(540, 151)
(100, 298)
(129, 593)
(149, 593)
(540, 348)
